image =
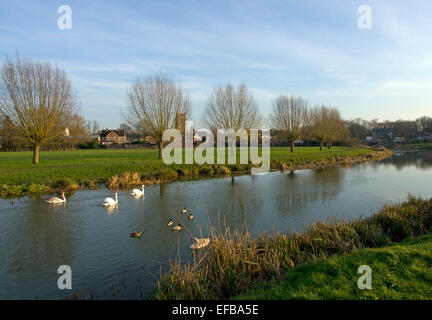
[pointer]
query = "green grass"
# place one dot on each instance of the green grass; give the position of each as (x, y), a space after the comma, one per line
(401, 271)
(421, 146)
(86, 168)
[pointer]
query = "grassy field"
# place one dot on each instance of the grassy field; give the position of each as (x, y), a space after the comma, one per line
(67, 170)
(420, 146)
(319, 263)
(401, 271)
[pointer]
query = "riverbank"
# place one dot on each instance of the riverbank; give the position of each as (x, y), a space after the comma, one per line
(235, 263)
(417, 146)
(401, 271)
(71, 170)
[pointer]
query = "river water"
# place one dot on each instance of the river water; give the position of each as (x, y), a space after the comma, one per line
(36, 238)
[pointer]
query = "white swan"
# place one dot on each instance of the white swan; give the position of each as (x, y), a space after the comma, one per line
(108, 202)
(199, 243)
(138, 192)
(176, 228)
(55, 200)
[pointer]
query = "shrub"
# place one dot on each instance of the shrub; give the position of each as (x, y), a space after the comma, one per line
(167, 174)
(8, 191)
(94, 144)
(224, 170)
(206, 171)
(38, 188)
(66, 184)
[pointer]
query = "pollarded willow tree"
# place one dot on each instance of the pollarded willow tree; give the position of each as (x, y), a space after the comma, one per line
(326, 125)
(231, 108)
(37, 100)
(289, 115)
(154, 102)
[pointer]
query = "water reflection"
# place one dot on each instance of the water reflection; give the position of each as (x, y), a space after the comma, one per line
(420, 159)
(42, 236)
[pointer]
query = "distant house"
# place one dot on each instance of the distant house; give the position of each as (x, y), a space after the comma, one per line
(399, 140)
(112, 136)
(425, 137)
(382, 136)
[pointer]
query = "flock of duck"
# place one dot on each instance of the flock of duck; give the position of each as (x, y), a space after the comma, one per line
(137, 193)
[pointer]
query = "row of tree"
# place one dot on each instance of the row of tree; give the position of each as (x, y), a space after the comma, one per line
(154, 102)
(295, 119)
(38, 103)
(410, 130)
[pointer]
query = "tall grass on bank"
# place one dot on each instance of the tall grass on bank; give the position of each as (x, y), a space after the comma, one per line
(235, 262)
(401, 271)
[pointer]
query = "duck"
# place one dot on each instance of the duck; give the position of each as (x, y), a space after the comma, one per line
(184, 210)
(136, 234)
(176, 228)
(55, 200)
(138, 192)
(191, 216)
(170, 222)
(108, 202)
(199, 243)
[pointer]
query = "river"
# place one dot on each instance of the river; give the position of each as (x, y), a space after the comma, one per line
(36, 238)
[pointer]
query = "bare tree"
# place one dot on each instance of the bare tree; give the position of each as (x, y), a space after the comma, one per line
(37, 99)
(79, 131)
(231, 108)
(326, 125)
(337, 128)
(289, 115)
(154, 102)
(424, 124)
(9, 137)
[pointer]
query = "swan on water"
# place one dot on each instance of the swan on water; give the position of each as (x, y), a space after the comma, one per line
(177, 228)
(138, 192)
(110, 201)
(199, 243)
(55, 200)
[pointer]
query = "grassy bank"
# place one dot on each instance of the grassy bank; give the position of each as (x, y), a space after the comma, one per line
(401, 271)
(417, 146)
(71, 170)
(235, 263)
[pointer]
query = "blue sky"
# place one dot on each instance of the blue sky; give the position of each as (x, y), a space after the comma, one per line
(310, 48)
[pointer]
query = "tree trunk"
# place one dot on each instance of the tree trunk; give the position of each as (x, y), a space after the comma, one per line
(321, 145)
(292, 145)
(36, 149)
(160, 146)
(233, 146)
